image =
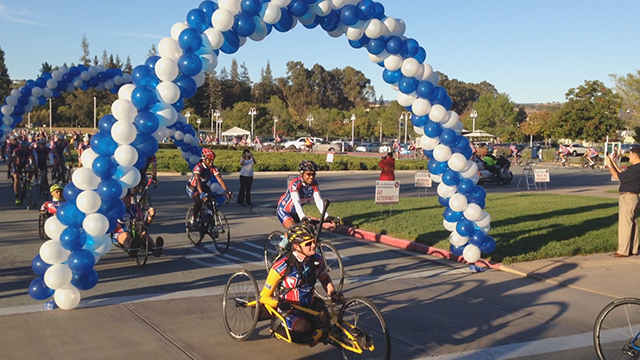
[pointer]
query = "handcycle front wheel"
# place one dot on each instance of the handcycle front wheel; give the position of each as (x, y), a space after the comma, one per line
(272, 249)
(240, 307)
(141, 251)
(220, 232)
(617, 325)
(334, 266)
(195, 236)
(365, 323)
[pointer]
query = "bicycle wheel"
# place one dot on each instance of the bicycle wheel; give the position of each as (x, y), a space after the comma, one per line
(142, 252)
(145, 202)
(25, 190)
(584, 166)
(333, 263)
(41, 220)
(557, 164)
(616, 328)
(195, 236)
(364, 321)
(240, 306)
(598, 168)
(220, 232)
(272, 249)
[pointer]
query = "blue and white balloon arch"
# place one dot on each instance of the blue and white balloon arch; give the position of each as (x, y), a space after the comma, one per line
(148, 109)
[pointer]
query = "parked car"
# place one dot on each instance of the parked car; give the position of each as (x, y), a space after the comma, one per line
(326, 146)
(299, 142)
(367, 147)
(577, 149)
(626, 147)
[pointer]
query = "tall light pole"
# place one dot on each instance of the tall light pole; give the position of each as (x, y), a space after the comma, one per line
(187, 114)
(215, 113)
(353, 120)
(50, 118)
(198, 122)
(212, 121)
(252, 112)
(407, 116)
(473, 115)
(219, 129)
(309, 119)
(275, 120)
(380, 123)
(94, 114)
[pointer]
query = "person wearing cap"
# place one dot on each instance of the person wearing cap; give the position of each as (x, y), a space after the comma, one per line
(51, 207)
(12, 145)
(122, 235)
(23, 160)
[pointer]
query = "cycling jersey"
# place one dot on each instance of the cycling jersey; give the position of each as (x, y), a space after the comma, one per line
(206, 173)
(297, 286)
(11, 147)
(42, 154)
(298, 193)
(133, 212)
(591, 152)
(59, 149)
(21, 158)
(51, 207)
(565, 150)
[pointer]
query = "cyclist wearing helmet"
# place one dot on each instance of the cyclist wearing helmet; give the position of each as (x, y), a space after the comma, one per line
(12, 145)
(292, 279)
(51, 207)
(60, 147)
(22, 160)
(198, 189)
(300, 191)
(42, 155)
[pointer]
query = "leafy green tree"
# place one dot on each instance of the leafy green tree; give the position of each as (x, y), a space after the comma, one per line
(128, 68)
(5, 80)
(590, 112)
(462, 94)
(497, 115)
(46, 67)
(628, 87)
(263, 90)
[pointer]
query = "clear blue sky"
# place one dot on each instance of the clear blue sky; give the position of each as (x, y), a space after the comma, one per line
(533, 50)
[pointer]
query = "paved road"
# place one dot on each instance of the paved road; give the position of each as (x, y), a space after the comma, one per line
(433, 307)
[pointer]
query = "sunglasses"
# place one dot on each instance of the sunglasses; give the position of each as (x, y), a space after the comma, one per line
(308, 243)
(310, 174)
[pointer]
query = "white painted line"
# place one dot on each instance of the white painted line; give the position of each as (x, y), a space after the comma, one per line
(409, 274)
(252, 254)
(259, 247)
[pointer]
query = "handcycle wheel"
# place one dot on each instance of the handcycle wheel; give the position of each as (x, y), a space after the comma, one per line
(615, 328)
(145, 202)
(271, 249)
(220, 232)
(335, 269)
(142, 252)
(41, 220)
(364, 321)
(194, 235)
(240, 307)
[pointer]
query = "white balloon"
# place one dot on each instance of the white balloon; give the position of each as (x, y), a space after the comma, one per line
(429, 143)
(471, 253)
(473, 170)
(125, 92)
(167, 114)
(11, 101)
(391, 26)
(411, 67)
(169, 48)
(438, 113)
(354, 33)
(194, 160)
(52, 252)
(125, 155)
(199, 78)
(457, 162)
(485, 230)
(406, 99)
(123, 132)
(450, 226)
(87, 157)
(401, 27)
(104, 246)
(446, 191)
(485, 221)
(88, 201)
(393, 62)
(58, 276)
(222, 19)
(166, 69)
(373, 28)
(168, 91)
(339, 31)
(453, 121)
(378, 58)
(457, 239)
(95, 224)
(209, 61)
(475, 178)
(188, 138)
(130, 177)
(473, 212)
(179, 135)
(213, 38)
(56, 75)
(421, 107)
(419, 130)
(436, 178)
(177, 28)
(123, 110)
(160, 134)
(322, 8)
(434, 78)
(281, 3)
(458, 202)
(52, 84)
(272, 13)
(67, 298)
(186, 155)
(442, 153)
(84, 179)
(261, 30)
(427, 71)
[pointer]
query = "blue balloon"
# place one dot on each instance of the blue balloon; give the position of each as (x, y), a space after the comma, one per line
(244, 24)
(461, 144)
(419, 121)
(438, 95)
(146, 122)
(478, 238)
(298, 8)
(379, 11)
(190, 40)
(447, 102)
(468, 152)
(376, 46)
(41, 82)
(68, 214)
(465, 186)
(186, 85)
(179, 105)
(189, 64)
(450, 177)
(465, 227)
(349, 15)
(73, 238)
(109, 189)
(428, 153)
(209, 7)
(142, 75)
(106, 123)
(38, 290)
(479, 192)
(394, 45)
(489, 245)
(432, 129)
(70, 193)
(18, 110)
(146, 145)
(448, 137)
(103, 144)
(424, 90)
(86, 280)
(144, 97)
(367, 9)
(391, 77)
(81, 261)
(39, 266)
(452, 216)
(421, 56)
(251, 7)
(104, 167)
(436, 167)
(457, 250)
(286, 21)
(407, 85)
(26, 92)
(197, 20)
(231, 43)
(410, 48)
(331, 21)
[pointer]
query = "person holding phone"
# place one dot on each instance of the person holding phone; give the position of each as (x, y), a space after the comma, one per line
(246, 178)
(388, 167)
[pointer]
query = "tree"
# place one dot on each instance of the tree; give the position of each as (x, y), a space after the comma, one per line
(85, 59)
(590, 112)
(46, 68)
(5, 80)
(628, 87)
(105, 58)
(497, 115)
(128, 68)
(263, 90)
(152, 51)
(536, 124)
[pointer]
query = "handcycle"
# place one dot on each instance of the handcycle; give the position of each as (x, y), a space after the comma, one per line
(616, 332)
(586, 165)
(142, 196)
(333, 261)
(356, 327)
(139, 251)
(42, 219)
(211, 221)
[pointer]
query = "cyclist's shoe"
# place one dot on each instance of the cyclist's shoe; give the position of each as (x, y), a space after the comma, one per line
(157, 250)
(136, 244)
(315, 337)
(18, 201)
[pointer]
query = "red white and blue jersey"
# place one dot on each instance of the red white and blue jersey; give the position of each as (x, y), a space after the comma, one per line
(133, 212)
(206, 173)
(304, 191)
(513, 149)
(295, 290)
(51, 206)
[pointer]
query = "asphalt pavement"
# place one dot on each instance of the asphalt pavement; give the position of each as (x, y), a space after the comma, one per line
(435, 308)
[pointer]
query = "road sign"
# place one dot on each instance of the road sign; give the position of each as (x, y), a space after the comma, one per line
(329, 157)
(387, 192)
(422, 179)
(541, 175)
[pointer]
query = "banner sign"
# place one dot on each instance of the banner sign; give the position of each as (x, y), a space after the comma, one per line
(422, 179)
(541, 175)
(387, 192)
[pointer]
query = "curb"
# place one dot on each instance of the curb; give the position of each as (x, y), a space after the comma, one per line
(412, 246)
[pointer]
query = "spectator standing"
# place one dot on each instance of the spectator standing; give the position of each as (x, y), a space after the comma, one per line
(628, 203)
(246, 178)
(388, 167)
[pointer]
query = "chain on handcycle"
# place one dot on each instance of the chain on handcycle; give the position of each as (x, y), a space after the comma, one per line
(211, 221)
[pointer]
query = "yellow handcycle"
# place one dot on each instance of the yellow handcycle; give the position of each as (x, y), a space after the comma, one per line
(356, 327)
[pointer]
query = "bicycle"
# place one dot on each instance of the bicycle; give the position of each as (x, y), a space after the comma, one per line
(616, 332)
(516, 160)
(585, 165)
(558, 163)
(142, 197)
(357, 327)
(61, 173)
(42, 184)
(138, 236)
(211, 221)
(332, 259)
(24, 188)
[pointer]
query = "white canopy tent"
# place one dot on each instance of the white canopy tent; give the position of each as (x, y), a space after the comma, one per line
(479, 134)
(236, 131)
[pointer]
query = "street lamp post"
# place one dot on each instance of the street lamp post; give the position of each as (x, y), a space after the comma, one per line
(187, 114)
(310, 119)
(252, 112)
(216, 113)
(407, 116)
(50, 118)
(473, 115)
(198, 122)
(380, 123)
(94, 114)
(219, 128)
(353, 121)
(275, 120)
